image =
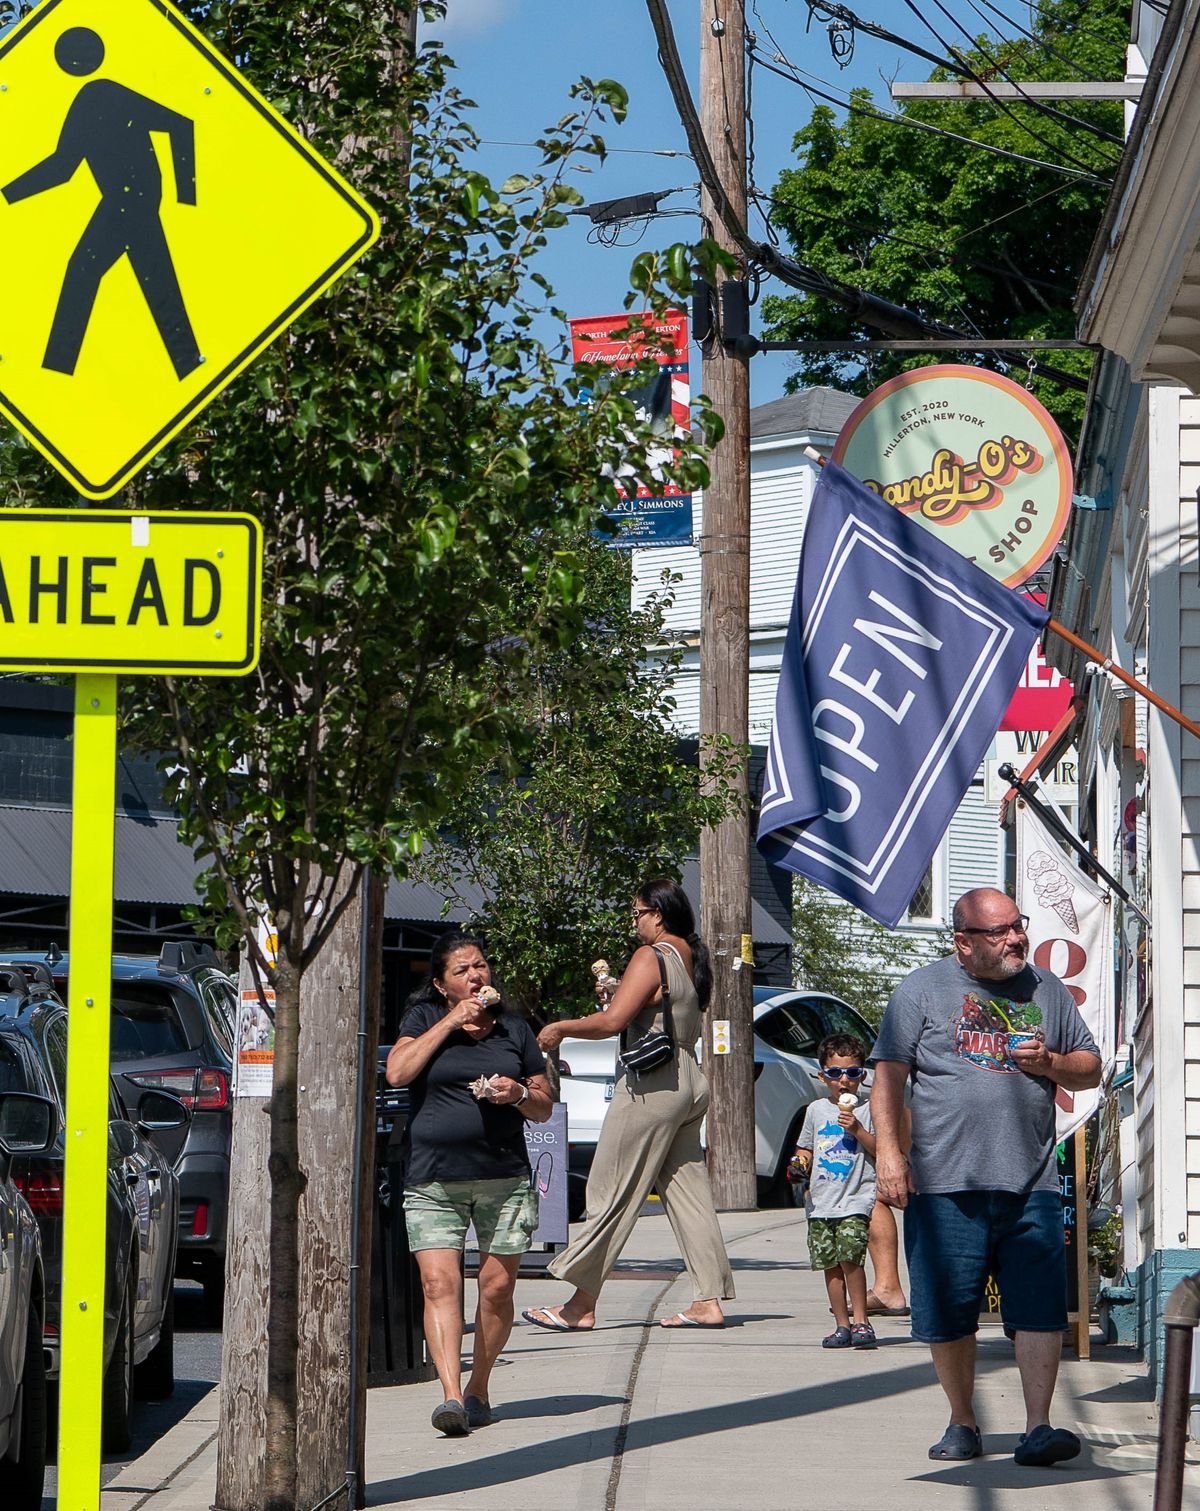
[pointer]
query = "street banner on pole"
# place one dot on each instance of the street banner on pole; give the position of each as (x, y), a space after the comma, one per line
(662, 515)
(1070, 933)
(899, 660)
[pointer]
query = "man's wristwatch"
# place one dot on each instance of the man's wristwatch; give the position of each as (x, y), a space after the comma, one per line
(522, 1097)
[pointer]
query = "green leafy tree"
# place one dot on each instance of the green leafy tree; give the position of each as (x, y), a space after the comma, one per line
(418, 460)
(839, 949)
(596, 798)
(983, 243)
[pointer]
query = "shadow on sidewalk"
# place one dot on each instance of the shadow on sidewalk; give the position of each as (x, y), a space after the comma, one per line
(556, 1453)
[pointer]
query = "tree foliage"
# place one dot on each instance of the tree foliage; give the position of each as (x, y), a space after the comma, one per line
(596, 798)
(839, 949)
(419, 462)
(983, 243)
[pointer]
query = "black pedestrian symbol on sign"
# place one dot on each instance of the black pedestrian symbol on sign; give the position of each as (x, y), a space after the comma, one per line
(109, 128)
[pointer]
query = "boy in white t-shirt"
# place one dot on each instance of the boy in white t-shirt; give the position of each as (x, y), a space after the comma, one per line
(836, 1150)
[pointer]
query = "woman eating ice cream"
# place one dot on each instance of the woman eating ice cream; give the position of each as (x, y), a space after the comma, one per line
(476, 1075)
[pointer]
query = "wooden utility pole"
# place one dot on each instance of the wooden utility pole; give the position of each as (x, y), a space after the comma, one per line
(725, 640)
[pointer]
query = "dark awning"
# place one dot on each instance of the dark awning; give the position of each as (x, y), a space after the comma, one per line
(153, 866)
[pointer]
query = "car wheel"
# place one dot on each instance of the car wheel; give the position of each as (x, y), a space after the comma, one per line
(155, 1376)
(21, 1483)
(116, 1431)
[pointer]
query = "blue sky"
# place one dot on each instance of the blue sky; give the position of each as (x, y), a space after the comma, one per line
(518, 59)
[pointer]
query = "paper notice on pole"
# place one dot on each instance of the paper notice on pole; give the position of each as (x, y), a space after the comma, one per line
(254, 1072)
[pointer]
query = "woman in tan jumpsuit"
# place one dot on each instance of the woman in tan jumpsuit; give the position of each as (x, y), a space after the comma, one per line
(651, 1134)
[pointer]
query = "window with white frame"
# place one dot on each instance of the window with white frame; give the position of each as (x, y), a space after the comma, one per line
(928, 905)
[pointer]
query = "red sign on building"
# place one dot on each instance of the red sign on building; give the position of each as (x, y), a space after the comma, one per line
(1043, 694)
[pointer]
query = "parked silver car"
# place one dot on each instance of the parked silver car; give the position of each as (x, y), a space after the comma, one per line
(789, 1024)
(28, 1125)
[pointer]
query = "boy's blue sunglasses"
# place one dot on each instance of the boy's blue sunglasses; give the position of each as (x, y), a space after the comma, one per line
(843, 1072)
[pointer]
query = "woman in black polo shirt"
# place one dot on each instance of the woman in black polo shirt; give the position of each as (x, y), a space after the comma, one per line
(467, 1161)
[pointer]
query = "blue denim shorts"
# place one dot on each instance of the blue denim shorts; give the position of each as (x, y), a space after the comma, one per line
(955, 1240)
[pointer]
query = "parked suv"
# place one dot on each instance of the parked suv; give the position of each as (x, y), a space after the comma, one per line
(142, 1203)
(27, 1126)
(173, 1018)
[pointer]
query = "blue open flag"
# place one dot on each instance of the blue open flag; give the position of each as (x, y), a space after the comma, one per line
(901, 657)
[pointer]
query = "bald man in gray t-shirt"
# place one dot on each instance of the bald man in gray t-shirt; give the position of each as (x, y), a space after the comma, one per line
(985, 1039)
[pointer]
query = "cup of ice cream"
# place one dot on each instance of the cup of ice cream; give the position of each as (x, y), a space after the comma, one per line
(1021, 1039)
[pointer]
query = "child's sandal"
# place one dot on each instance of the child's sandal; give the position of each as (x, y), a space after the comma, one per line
(838, 1338)
(862, 1335)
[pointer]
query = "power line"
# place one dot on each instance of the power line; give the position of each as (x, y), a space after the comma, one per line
(1041, 42)
(848, 105)
(947, 252)
(638, 151)
(915, 125)
(869, 308)
(1038, 105)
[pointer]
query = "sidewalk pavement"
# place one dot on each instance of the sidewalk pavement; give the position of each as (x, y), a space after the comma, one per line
(631, 1417)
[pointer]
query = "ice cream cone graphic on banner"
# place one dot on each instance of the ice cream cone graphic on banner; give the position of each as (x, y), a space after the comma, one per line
(1053, 887)
(1070, 933)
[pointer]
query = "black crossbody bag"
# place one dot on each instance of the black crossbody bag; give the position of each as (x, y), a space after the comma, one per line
(658, 1046)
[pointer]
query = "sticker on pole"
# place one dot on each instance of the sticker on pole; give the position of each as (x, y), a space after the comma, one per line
(969, 455)
(89, 590)
(167, 223)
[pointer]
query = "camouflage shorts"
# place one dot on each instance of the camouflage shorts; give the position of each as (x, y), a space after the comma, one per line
(837, 1240)
(505, 1213)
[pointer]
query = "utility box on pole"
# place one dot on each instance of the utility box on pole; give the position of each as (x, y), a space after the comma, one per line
(725, 640)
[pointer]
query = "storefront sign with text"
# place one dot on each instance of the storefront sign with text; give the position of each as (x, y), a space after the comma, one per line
(969, 455)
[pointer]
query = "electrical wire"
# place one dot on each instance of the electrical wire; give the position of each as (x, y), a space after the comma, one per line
(1041, 42)
(753, 192)
(949, 253)
(848, 105)
(913, 124)
(638, 151)
(870, 309)
(1050, 111)
(977, 78)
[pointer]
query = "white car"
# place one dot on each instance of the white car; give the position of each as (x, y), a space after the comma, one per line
(789, 1023)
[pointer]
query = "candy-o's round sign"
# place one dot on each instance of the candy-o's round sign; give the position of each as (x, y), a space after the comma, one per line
(971, 456)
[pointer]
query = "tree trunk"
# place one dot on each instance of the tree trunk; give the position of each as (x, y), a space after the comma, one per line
(284, 1435)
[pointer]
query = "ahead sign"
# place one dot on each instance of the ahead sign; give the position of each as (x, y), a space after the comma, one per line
(98, 590)
(167, 224)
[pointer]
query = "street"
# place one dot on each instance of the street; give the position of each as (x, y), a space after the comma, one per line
(197, 1368)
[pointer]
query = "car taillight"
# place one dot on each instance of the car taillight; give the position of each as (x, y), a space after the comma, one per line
(180, 1083)
(200, 1220)
(213, 1090)
(44, 1193)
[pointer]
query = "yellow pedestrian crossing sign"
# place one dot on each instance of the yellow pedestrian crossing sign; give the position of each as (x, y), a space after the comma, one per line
(164, 222)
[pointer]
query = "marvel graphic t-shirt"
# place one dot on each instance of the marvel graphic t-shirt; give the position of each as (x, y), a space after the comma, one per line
(979, 1123)
(452, 1135)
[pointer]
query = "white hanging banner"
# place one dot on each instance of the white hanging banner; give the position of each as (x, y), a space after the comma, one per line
(1070, 933)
